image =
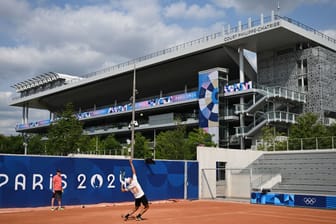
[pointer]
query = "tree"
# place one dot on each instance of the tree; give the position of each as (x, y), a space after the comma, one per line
(86, 144)
(179, 145)
(307, 126)
(36, 145)
(110, 143)
(331, 130)
(65, 134)
(11, 144)
(305, 131)
(197, 137)
(141, 147)
(268, 138)
(171, 144)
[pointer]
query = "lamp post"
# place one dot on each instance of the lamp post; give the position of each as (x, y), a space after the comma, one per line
(45, 139)
(133, 113)
(25, 142)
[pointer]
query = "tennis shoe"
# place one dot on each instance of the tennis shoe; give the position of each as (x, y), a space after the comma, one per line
(138, 218)
(125, 217)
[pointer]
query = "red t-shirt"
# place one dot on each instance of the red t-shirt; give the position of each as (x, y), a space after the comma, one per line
(57, 183)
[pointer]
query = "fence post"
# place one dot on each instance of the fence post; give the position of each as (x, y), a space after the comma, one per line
(316, 143)
(251, 185)
(185, 180)
(273, 145)
(332, 142)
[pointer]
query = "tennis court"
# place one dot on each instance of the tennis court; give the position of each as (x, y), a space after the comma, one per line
(172, 212)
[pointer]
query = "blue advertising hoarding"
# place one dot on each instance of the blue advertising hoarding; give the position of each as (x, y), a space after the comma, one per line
(294, 200)
(25, 181)
(155, 102)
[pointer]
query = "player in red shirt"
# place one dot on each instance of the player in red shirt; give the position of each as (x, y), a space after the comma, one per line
(57, 190)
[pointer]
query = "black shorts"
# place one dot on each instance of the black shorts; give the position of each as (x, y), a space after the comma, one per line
(142, 200)
(57, 195)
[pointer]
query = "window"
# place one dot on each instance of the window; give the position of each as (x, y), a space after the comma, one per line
(298, 67)
(302, 71)
(304, 66)
(302, 46)
(303, 84)
(301, 66)
(220, 170)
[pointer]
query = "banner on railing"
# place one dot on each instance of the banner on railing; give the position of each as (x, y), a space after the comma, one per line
(159, 101)
(237, 87)
(25, 181)
(294, 200)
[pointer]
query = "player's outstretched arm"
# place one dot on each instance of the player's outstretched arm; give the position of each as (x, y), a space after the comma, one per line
(123, 189)
(132, 166)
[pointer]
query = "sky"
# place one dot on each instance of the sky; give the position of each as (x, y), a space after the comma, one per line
(77, 37)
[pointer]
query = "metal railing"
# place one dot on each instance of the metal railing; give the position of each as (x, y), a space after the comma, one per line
(229, 31)
(270, 116)
(308, 28)
(270, 92)
(209, 38)
(288, 144)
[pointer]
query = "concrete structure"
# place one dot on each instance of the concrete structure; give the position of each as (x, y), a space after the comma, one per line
(205, 83)
(235, 174)
(232, 179)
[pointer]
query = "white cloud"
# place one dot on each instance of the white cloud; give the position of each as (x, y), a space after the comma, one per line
(81, 40)
(10, 116)
(77, 40)
(25, 62)
(84, 38)
(14, 11)
(181, 10)
(330, 33)
(264, 6)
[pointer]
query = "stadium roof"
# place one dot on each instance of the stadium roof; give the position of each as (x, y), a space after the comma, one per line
(177, 66)
(42, 79)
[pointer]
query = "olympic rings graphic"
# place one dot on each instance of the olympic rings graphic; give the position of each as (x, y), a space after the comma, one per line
(309, 201)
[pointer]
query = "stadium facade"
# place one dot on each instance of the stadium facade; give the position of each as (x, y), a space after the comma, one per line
(207, 83)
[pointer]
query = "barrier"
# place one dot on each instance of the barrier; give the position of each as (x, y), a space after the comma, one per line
(294, 200)
(25, 181)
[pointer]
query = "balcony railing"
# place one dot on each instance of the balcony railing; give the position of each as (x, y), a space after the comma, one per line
(288, 144)
(272, 116)
(124, 108)
(269, 92)
(223, 35)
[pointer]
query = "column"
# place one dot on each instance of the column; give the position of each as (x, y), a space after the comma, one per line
(241, 79)
(23, 114)
(26, 113)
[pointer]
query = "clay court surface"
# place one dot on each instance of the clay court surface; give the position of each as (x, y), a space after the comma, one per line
(172, 212)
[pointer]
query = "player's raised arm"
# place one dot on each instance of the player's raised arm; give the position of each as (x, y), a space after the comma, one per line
(132, 166)
(122, 188)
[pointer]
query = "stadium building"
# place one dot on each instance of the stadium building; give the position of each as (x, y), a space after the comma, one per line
(207, 83)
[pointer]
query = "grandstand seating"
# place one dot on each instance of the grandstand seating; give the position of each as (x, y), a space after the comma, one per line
(306, 172)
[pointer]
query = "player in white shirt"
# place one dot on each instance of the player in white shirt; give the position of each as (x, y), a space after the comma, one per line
(131, 184)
